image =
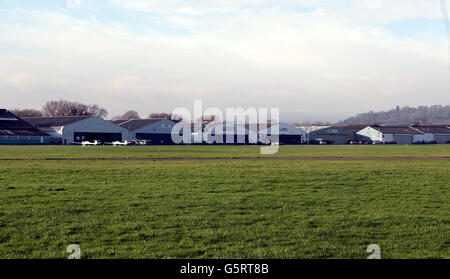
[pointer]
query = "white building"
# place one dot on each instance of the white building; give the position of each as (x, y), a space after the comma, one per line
(388, 134)
(228, 133)
(73, 129)
(436, 133)
(309, 129)
(154, 131)
(231, 133)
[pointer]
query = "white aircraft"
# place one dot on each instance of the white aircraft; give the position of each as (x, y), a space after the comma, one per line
(116, 143)
(86, 143)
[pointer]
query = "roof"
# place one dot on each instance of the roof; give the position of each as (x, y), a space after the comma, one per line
(353, 127)
(119, 121)
(54, 121)
(395, 129)
(226, 126)
(11, 124)
(135, 124)
(258, 126)
(309, 129)
(432, 129)
(283, 129)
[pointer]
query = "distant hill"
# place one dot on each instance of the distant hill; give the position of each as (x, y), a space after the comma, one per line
(427, 115)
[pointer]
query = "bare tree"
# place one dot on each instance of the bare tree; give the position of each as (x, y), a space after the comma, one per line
(304, 123)
(27, 112)
(129, 115)
(166, 115)
(160, 115)
(52, 108)
(66, 108)
(320, 123)
(95, 110)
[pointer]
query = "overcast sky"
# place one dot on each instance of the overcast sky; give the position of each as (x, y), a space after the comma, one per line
(315, 60)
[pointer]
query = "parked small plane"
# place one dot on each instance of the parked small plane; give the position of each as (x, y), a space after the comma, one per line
(125, 142)
(86, 143)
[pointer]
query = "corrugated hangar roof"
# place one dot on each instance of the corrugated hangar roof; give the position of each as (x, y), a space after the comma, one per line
(352, 127)
(396, 129)
(57, 121)
(432, 129)
(10, 124)
(136, 124)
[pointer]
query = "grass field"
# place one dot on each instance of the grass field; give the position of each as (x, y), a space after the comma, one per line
(224, 208)
(102, 152)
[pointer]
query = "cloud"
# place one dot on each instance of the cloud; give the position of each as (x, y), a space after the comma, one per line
(73, 4)
(352, 10)
(329, 58)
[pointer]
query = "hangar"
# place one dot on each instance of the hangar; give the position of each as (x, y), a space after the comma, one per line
(74, 129)
(333, 134)
(215, 133)
(228, 133)
(286, 134)
(154, 131)
(354, 129)
(436, 133)
(14, 130)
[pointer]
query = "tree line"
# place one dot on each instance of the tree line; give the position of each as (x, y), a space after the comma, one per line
(436, 114)
(67, 108)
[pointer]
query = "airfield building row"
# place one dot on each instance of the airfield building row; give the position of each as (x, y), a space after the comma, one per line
(75, 129)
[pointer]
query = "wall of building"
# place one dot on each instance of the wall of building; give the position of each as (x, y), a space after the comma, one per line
(403, 138)
(427, 137)
(161, 127)
(55, 134)
(441, 138)
(92, 125)
(286, 134)
(158, 133)
(336, 135)
(24, 140)
(387, 138)
(228, 133)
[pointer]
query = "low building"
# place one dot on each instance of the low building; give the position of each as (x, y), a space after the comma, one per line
(214, 133)
(311, 128)
(75, 129)
(331, 134)
(286, 134)
(432, 133)
(153, 131)
(401, 134)
(228, 133)
(14, 130)
(354, 129)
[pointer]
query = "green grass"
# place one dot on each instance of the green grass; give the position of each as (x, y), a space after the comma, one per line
(98, 152)
(224, 209)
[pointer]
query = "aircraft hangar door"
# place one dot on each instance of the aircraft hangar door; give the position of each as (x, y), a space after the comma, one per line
(403, 139)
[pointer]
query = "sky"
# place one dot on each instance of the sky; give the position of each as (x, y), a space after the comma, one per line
(314, 60)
